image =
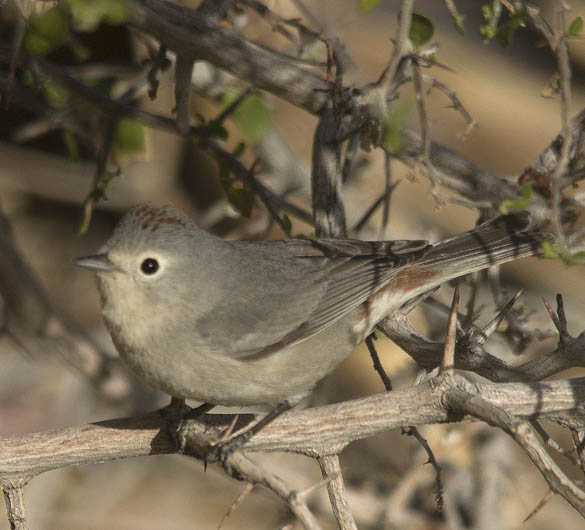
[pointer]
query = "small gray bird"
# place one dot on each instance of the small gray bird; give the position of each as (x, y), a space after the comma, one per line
(249, 323)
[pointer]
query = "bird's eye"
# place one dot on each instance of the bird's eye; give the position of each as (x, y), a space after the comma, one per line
(149, 266)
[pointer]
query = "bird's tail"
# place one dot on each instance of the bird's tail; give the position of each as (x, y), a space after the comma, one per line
(494, 242)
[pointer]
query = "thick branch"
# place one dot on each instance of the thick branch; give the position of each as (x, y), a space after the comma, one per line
(314, 432)
(328, 209)
(188, 33)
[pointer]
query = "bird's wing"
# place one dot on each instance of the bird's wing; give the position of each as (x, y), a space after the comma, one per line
(309, 285)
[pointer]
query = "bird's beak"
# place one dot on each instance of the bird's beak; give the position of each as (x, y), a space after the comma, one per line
(98, 263)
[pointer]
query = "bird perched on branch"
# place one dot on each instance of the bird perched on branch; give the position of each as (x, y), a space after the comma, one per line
(248, 322)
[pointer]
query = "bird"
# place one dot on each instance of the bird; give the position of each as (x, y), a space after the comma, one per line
(246, 323)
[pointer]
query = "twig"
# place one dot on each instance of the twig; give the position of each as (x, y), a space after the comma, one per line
(439, 489)
(552, 443)
(328, 36)
(254, 474)
(331, 470)
(564, 68)
(15, 508)
(160, 62)
(410, 431)
(350, 152)
(372, 210)
(233, 106)
(246, 490)
(402, 47)
(456, 103)
(275, 20)
(387, 195)
(109, 106)
(578, 436)
(183, 75)
(377, 364)
(243, 173)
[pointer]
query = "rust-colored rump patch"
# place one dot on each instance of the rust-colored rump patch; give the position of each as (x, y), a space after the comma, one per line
(408, 279)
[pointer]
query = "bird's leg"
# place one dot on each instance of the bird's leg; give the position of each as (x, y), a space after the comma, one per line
(224, 448)
(198, 411)
(176, 403)
(177, 412)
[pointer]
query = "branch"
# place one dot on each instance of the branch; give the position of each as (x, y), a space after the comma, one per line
(328, 209)
(188, 33)
(254, 474)
(15, 507)
(314, 432)
(331, 471)
(526, 437)
(470, 353)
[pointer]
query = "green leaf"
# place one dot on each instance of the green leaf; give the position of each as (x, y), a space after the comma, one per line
(525, 193)
(574, 259)
(81, 52)
(550, 250)
(393, 127)
(46, 31)
(575, 27)
(56, 95)
(71, 144)
(458, 21)
(286, 224)
(253, 118)
(421, 28)
(506, 31)
(95, 195)
(239, 150)
(241, 200)
(88, 14)
(252, 115)
(224, 175)
(129, 138)
(367, 5)
(215, 128)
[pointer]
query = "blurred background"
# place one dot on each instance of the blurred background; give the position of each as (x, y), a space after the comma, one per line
(50, 309)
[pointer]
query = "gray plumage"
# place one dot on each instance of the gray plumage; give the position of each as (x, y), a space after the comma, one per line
(243, 323)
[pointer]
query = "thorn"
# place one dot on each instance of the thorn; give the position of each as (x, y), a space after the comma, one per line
(228, 432)
(497, 320)
(540, 505)
(319, 484)
(561, 313)
(552, 315)
(448, 362)
(234, 506)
